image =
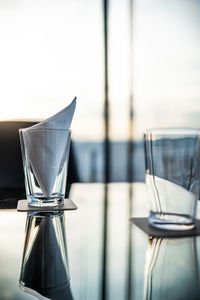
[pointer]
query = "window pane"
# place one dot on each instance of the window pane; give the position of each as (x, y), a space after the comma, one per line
(166, 63)
(50, 52)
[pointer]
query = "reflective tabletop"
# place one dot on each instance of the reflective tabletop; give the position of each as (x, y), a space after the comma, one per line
(95, 252)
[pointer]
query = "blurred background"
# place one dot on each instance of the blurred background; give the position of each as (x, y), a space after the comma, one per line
(132, 64)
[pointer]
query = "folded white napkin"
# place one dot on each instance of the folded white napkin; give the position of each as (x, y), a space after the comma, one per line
(61, 120)
(46, 149)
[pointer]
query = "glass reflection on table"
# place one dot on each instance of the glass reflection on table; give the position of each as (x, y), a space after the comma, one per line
(171, 269)
(44, 270)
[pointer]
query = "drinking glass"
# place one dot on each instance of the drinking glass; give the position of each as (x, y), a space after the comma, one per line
(45, 155)
(172, 157)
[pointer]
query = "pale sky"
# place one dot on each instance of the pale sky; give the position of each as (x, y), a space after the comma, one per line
(52, 51)
(167, 63)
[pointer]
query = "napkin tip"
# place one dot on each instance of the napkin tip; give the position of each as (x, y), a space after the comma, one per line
(74, 100)
(66, 113)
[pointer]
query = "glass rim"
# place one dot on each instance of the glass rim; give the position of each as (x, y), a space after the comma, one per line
(172, 131)
(43, 129)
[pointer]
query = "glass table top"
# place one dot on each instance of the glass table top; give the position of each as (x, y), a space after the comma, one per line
(107, 256)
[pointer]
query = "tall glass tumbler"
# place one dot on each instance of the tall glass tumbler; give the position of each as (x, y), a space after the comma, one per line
(45, 155)
(172, 159)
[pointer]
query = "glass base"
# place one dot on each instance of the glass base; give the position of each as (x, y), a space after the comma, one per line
(167, 221)
(39, 201)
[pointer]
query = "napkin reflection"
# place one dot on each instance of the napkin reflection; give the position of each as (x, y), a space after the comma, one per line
(44, 270)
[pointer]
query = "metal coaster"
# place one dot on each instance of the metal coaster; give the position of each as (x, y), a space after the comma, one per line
(144, 225)
(67, 205)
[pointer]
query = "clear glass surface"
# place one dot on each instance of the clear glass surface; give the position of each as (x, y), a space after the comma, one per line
(45, 154)
(172, 159)
(179, 276)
